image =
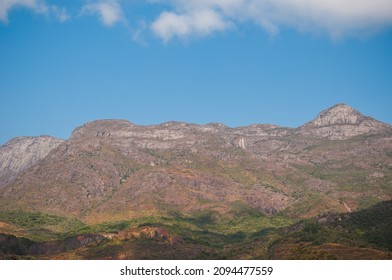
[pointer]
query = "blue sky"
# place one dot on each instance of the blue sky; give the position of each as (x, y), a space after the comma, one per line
(64, 63)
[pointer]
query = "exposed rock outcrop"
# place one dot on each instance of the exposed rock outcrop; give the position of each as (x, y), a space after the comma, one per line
(342, 122)
(20, 153)
(157, 233)
(116, 170)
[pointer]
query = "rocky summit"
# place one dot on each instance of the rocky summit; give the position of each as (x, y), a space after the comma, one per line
(231, 187)
(342, 122)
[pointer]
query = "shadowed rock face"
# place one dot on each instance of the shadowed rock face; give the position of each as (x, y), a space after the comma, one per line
(57, 247)
(10, 244)
(20, 153)
(115, 170)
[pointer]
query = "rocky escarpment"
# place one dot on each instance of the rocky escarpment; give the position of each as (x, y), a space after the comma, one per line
(20, 153)
(116, 170)
(342, 122)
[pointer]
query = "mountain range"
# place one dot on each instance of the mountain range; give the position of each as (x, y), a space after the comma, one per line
(164, 191)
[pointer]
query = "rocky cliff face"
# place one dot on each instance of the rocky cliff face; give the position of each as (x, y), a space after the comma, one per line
(115, 170)
(20, 153)
(342, 122)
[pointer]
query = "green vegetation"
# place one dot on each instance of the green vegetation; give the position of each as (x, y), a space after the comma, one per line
(244, 233)
(370, 227)
(39, 226)
(367, 202)
(219, 235)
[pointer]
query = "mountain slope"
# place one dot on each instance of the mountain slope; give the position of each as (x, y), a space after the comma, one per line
(115, 170)
(20, 153)
(365, 234)
(225, 192)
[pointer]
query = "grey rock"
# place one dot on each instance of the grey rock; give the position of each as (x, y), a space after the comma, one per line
(115, 167)
(20, 153)
(342, 122)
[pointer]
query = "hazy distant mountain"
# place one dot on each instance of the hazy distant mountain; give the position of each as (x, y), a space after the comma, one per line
(113, 170)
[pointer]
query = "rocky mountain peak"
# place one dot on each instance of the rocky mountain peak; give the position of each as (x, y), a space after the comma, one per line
(340, 114)
(341, 122)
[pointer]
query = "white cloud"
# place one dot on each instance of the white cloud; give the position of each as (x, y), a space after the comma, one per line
(37, 6)
(337, 18)
(109, 11)
(201, 23)
(187, 18)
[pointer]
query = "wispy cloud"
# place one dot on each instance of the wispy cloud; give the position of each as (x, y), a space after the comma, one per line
(6, 6)
(198, 18)
(37, 6)
(60, 13)
(337, 18)
(109, 11)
